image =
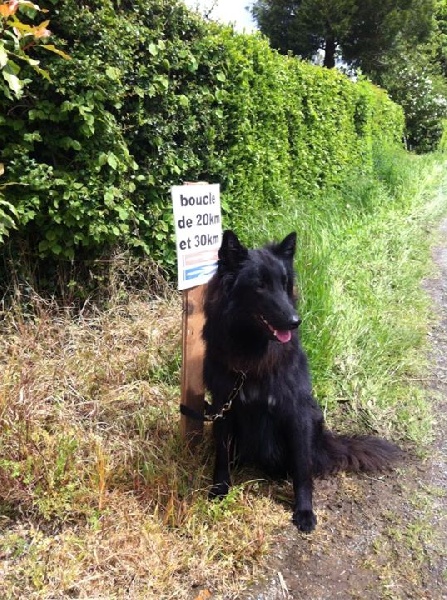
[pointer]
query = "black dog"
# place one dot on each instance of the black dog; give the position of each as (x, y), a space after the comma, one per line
(256, 371)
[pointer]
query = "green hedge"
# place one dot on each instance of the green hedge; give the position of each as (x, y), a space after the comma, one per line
(154, 96)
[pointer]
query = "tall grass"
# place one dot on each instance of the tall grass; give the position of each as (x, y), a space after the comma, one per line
(362, 253)
(98, 495)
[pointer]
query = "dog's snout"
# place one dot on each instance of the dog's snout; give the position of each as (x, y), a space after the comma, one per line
(295, 322)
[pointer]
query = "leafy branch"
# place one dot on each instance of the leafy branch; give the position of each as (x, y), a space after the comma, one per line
(17, 38)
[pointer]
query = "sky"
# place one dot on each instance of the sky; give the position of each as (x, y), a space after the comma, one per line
(227, 11)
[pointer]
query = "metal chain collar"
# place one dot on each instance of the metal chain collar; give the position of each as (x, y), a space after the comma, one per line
(242, 376)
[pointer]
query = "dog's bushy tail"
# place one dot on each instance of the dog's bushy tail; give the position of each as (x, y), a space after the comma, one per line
(354, 453)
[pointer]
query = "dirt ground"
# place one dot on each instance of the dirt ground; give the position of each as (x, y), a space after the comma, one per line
(381, 537)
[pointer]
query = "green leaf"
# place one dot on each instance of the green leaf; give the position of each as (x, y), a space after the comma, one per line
(43, 72)
(113, 73)
(123, 213)
(102, 159)
(112, 161)
(183, 100)
(14, 83)
(193, 65)
(52, 48)
(109, 198)
(43, 245)
(3, 56)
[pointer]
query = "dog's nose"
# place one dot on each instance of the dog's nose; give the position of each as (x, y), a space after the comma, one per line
(295, 322)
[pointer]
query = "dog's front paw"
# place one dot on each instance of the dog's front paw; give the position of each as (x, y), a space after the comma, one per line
(305, 520)
(219, 490)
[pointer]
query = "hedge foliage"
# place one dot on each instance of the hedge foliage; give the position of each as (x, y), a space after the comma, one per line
(152, 96)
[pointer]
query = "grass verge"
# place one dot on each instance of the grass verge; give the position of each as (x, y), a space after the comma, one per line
(98, 496)
(362, 254)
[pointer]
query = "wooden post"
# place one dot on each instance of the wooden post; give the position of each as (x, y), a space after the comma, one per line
(193, 350)
(193, 391)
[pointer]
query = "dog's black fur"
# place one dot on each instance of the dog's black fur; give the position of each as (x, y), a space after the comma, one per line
(274, 422)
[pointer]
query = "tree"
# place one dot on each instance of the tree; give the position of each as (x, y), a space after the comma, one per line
(305, 26)
(381, 28)
(412, 81)
(416, 78)
(437, 44)
(361, 30)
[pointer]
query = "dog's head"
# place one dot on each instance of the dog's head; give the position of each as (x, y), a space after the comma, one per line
(259, 285)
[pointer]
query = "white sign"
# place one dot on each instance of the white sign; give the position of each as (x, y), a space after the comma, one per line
(198, 232)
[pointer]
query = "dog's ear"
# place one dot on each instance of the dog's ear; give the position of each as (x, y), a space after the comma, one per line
(286, 248)
(231, 251)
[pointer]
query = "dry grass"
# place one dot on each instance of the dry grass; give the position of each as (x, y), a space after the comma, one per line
(98, 496)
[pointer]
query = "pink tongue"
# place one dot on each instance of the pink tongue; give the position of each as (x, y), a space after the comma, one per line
(283, 336)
